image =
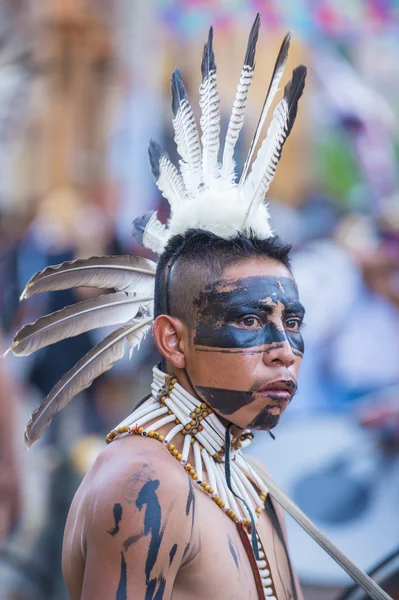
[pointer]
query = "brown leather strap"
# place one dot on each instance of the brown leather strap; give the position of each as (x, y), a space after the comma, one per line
(252, 560)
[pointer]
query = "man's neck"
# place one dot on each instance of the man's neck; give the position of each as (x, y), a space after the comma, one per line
(185, 381)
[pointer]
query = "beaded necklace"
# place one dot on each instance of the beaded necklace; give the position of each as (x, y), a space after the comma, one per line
(171, 404)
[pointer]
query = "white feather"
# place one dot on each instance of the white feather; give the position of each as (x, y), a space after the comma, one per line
(170, 182)
(210, 125)
(236, 121)
(188, 146)
(155, 235)
(271, 93)
(264, 167)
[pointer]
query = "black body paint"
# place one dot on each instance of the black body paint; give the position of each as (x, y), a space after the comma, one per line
(132, 539)
(186, 549)
(152, 522)
(161, 589)
(190, 498)
(190, 505)
(151, 587)
(135, 482)
(117, 519)
(121, 593)
(172, 553)
(224, 302)
(233, 553)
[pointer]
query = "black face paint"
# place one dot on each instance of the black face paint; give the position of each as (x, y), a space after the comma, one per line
(233, 553)
(172, 553)
(226, 402)
(265, 420)
(121, 593)
(117, 519)
(223, 303)
(152, 522)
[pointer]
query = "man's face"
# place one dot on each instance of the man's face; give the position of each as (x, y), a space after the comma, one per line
(246, 347)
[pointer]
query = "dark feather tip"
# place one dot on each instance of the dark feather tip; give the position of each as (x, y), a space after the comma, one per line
(293, 91)
(252, 41)
(294, 88)
(139, 225)
(208, 58)
(178, 91)
(155, 153)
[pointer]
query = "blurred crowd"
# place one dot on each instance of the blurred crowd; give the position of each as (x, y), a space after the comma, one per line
(83, 88)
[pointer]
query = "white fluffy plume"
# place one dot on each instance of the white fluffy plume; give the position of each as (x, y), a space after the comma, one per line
(206, 195)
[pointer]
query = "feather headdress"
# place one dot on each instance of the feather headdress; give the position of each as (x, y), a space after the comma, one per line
(202, 193)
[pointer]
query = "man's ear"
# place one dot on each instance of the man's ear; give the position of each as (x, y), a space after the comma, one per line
(168, 336)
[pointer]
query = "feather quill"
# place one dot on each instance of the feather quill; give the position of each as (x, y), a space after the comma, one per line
(186, 135)
(123, 273)
(104, 311)
(271, 92)
(264, 167)
(97, 361)
(168, 179)
(237, 116)
(210, 112)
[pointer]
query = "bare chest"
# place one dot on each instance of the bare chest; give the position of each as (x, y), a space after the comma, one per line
(220, 567)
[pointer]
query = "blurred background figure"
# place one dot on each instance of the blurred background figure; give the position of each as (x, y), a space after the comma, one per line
(84, 85)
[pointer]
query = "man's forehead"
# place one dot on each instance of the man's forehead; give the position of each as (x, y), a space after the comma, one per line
(265, 290)
(256, 283)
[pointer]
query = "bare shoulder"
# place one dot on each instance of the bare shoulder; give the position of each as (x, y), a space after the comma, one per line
(127, 470)
(137, 504)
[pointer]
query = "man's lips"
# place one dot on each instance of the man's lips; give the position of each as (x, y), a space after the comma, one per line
(278, 390)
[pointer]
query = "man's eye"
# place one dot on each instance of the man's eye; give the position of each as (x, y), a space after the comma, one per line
(249, 322)
(293, 324)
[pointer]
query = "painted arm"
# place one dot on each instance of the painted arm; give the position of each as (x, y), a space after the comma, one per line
(139, 532)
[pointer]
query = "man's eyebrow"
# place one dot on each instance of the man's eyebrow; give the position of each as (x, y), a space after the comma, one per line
(295, 307)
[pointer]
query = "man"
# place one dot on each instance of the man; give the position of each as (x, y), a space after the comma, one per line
(138, 528)
(172, 509)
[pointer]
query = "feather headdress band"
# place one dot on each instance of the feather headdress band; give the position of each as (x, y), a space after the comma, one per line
(202, 194)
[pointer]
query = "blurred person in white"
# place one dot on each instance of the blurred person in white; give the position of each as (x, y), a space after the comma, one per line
(172, 508)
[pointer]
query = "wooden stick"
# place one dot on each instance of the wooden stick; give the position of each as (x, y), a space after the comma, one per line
(373, 590)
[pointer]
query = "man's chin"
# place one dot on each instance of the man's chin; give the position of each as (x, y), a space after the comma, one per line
(265, 420)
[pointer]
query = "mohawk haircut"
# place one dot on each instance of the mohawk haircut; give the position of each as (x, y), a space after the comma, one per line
(198, 258)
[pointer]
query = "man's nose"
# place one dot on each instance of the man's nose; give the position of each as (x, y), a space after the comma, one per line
(279, 353)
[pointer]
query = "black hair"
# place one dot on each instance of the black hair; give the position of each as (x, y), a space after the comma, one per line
(193, 260)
